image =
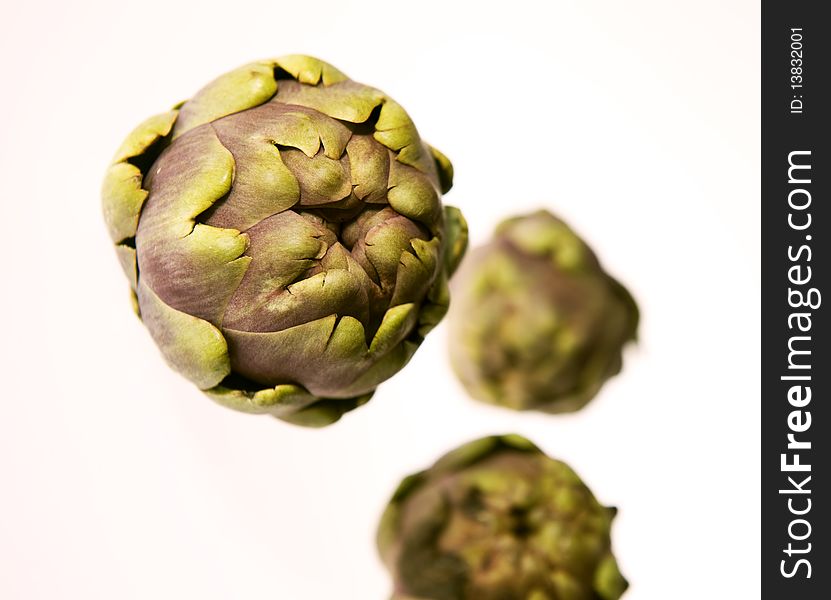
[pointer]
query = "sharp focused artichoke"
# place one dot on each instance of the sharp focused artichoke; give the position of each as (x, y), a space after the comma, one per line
(284, 237)
(497, 519)
(536, 323)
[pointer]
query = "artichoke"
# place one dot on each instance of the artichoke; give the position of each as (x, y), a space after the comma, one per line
(497, 519)
(536, 322)
(284, 237)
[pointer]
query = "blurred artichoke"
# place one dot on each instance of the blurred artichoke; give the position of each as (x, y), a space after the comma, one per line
(536, 323)
(497, 519)
(284, 237)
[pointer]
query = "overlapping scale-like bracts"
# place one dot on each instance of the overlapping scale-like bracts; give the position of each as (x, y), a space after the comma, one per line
(496, 519)
(537, 323)
(284, 235)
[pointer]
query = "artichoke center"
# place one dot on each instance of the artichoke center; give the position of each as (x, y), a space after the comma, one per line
(520, 525)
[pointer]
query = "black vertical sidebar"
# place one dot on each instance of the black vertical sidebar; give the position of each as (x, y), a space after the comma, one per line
(796, 300)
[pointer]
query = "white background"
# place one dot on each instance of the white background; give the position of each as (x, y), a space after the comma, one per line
(637, 121)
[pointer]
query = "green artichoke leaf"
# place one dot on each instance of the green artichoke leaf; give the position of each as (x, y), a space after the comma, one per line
(146, 135)
(122, 198)
(369, 166)
(241, 89)
(325, 354)
(122, 195)
(413, 195)
(435, 308)
(289, 402)
(396, 131)
(310, 70)
(127, 259)
(416, 270)
(444, 169)
(346, 101)
(195, 268)
(456, 238)
(277, 400)
(322, 180)
(326, 411)
(454, 247)
(192, 346)
(398, 322)
(263, 185)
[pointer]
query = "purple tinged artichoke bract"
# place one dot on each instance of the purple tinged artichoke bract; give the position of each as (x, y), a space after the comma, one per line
(284, 237)
(497, 519)
(536, 323)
